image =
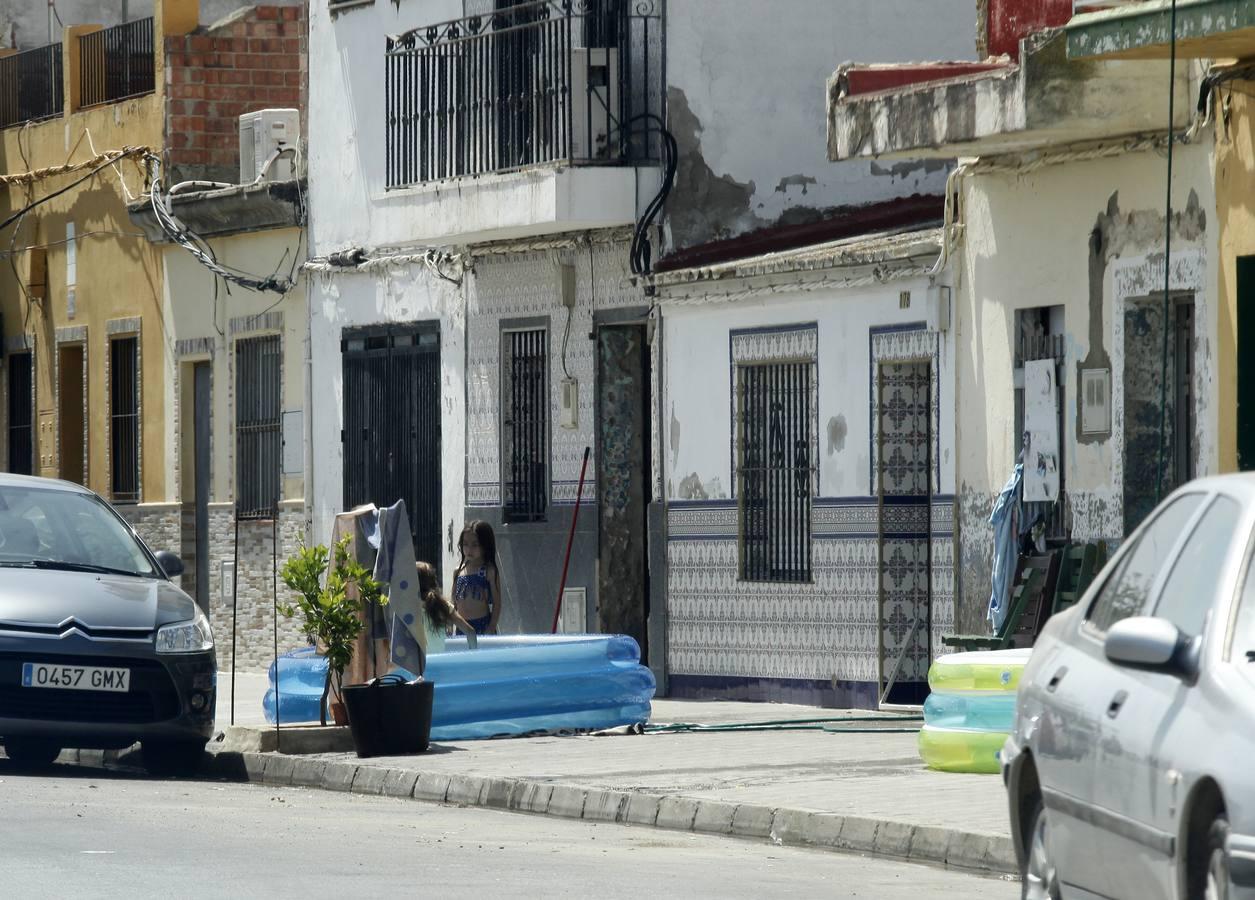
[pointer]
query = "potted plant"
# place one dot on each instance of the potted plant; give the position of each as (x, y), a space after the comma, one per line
(330, 608)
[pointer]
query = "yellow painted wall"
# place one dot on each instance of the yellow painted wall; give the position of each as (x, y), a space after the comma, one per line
(119, 273)
(1235, 210)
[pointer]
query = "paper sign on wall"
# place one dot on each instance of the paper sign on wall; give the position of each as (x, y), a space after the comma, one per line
(1041, 432)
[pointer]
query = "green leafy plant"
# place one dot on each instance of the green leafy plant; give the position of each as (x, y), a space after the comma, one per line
(331, 610)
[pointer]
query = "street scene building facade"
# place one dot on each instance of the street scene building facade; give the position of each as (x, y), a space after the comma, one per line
(123, 354)
(543, 265)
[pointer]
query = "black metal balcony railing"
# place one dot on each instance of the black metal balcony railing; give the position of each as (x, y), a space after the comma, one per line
(116, 63)
(534, 83)
(31, 86)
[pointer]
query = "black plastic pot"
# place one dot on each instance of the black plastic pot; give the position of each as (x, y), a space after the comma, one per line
(390, 716)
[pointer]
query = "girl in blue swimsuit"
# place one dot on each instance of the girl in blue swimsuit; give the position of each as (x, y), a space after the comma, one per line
(476, 587)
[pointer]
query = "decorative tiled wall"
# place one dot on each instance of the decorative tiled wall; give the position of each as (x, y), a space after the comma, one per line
(528, 285)
(721, 626)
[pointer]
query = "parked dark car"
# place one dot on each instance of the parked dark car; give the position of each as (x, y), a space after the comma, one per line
(98, 648)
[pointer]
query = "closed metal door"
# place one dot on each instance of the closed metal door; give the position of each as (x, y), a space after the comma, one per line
(392, 425)
(200, 437)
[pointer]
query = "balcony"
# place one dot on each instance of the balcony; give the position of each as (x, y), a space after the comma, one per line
(116, 63)
(31, 86)
(1141, 29)
(546, 83)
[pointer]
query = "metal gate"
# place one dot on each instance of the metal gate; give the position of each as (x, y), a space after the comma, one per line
(392, 425)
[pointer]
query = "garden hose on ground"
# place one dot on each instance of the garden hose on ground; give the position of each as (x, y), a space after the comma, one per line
(829, 725)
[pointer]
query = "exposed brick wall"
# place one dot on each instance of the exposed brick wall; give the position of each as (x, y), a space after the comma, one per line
(257, 59)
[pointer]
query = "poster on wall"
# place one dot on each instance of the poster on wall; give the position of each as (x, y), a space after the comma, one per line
(1041, 432)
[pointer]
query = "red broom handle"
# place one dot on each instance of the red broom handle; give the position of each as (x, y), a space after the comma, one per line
(579, 494)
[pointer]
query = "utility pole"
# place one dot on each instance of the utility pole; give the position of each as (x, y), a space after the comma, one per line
(52, 14)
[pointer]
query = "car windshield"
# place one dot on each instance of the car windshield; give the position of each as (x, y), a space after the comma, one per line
(66, 530)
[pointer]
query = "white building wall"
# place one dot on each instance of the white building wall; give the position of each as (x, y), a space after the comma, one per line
(805, 636)
(347, 121)
(1009, 262)
(409, 294)
(752, 135)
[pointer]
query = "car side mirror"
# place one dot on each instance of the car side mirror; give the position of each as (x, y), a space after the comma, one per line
(170, 564)
(1152, 645)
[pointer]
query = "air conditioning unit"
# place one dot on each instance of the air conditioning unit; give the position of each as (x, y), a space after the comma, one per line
(262, 133)
(594, 103)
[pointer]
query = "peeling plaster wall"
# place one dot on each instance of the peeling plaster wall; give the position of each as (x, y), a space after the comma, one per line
(752, 136)
(697, 386)
(1088, 236)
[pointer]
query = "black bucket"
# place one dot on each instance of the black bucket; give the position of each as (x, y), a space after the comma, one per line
(390, 716)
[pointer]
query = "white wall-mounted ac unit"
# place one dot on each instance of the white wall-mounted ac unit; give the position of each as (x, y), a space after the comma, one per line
(594, 103)
(262, 133)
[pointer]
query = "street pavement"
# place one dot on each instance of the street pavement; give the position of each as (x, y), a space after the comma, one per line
(93, 833)
(860, 791)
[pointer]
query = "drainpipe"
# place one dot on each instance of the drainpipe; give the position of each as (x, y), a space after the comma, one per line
(309, 410)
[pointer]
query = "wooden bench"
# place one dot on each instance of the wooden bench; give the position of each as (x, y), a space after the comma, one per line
(1081, 562)
(1029, 605)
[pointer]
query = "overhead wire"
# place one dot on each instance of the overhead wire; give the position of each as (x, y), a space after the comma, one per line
(29, 302)
(180, 234)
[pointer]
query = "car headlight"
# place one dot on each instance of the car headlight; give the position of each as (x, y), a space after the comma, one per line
(186, 637)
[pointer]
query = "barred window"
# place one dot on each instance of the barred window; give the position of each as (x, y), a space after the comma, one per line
(525, 424)
(21, 446)
(258, 427)
(124, 418)
(774, 471)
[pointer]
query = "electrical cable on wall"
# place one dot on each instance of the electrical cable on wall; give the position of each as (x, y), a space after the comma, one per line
(180, 234)
(640, 254)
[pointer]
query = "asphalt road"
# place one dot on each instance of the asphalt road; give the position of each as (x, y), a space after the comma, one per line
(88, 833)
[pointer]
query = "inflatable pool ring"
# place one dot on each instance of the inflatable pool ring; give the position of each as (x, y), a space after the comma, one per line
(971, 709)
(983, 670)
(509, 686)
(961, 750)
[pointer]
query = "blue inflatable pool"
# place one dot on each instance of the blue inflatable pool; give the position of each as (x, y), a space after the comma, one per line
(509, 686)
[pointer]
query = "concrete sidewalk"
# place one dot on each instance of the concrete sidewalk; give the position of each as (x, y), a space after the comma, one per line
(865, 792)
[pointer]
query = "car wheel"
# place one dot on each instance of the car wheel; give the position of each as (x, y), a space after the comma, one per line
(1040, 878)
(1217, 884)
(181, 758)
(31, 753)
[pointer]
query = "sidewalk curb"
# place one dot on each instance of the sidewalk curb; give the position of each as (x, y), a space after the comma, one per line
(988, 853)
(792, 827)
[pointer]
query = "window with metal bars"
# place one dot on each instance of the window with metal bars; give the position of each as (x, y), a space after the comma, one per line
(525, 424)
(124, 418)
(774, 473)
(21, 446)
(258, 427)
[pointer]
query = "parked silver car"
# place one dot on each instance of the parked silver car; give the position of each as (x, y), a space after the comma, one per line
(98, 649)
(1131, 767)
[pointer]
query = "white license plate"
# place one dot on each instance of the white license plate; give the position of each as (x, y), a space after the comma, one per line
(75, 678)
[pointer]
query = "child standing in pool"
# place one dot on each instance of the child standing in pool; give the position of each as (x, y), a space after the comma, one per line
(476, 587)
(438, 613)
